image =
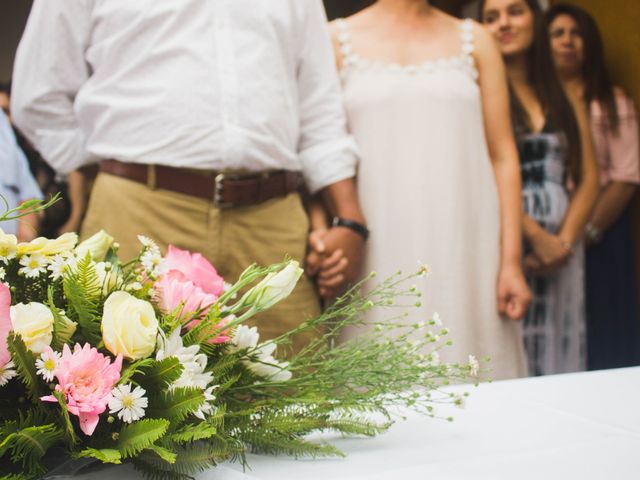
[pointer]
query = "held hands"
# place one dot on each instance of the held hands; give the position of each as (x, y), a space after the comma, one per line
(334, 259)
(514, 295)
(550, 253)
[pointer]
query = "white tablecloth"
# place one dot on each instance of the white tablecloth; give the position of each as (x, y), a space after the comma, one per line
(579, 426)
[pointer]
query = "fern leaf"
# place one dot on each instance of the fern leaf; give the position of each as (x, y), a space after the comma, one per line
(161, 374)
(25, 363)
(30, 444)
(132, 369)
(176, 405)
(105, 455)
(72, 438)
(82, 289)
(192, 433)
(137, 436)
(63, 328)
(165, 454)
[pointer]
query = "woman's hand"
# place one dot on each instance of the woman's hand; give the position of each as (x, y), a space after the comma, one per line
(549, 250)
(514, 295)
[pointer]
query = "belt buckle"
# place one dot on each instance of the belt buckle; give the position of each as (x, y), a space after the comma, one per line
(218, 187)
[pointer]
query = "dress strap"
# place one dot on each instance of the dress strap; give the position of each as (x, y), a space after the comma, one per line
(468, 45)
(344, 40)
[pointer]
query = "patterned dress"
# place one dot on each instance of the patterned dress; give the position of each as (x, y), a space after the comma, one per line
(554, 327)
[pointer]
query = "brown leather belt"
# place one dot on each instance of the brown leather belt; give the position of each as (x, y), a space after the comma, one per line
(225, 190)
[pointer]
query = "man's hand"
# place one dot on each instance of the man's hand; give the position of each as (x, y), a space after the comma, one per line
(335, 257)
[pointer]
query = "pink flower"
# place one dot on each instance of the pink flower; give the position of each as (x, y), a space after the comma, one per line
(176, 292)
(5, 323)
(86, 377)
(195, 268)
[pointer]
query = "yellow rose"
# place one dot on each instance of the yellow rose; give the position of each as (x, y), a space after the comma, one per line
(98, 245)
(129, 326)
(34, 322)
(44, 246)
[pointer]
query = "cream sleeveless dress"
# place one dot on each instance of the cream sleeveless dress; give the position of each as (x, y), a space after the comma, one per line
(427, 188)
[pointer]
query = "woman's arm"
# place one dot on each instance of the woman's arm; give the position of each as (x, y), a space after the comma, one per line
(513, 293)
(586, 193)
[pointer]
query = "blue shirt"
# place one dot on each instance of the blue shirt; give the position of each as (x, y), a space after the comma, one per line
(16, 182)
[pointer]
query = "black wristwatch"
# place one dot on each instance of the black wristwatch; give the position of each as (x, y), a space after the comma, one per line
(357, 227)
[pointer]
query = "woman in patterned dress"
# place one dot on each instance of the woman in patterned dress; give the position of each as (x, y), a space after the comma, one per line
(555, 152)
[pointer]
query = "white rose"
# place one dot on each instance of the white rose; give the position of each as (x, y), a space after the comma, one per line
(98, 245)
(34, 322)
(129, 326)
(273, 288)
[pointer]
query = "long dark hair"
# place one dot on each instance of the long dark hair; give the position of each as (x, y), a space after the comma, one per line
(548, 89)
(594, 72)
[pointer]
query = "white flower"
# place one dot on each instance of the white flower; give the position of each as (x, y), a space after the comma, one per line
(8, 246)
(207, 407)
(34, 323)
(33, 265)
(148, 243)
(423, 269)
(7, 373)
(134, 286)
(244, 337)
(474, 366)
(47, 364)
(129, 326)
(3, 273)
(436, 319)
(128, 404)
(59, 263)
(152, 262)
(193, 363)
(273, 288)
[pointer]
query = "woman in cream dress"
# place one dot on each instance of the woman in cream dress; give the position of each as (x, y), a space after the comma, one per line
(420, 87)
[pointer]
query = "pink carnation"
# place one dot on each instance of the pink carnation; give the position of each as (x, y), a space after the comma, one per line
(86, 377)
(195, 268)
(5, 323)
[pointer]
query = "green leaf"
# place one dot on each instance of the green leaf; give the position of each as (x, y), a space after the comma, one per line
(83, 290)
(25, 363)
(132, 369)
(177, 404)
(161, 374)
(63, 328)
(105, 455)
(137, 436)
(29, 445)
(166, 455)
(70, 431)
(192, 433)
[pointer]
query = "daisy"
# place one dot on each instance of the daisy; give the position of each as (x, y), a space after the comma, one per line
(152, 262)
(33, 265)
(47, 364)
(148, 243)
(7, 373)
(129, 405)
(57, 265)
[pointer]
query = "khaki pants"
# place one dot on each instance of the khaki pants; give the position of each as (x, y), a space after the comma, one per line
(231, 239)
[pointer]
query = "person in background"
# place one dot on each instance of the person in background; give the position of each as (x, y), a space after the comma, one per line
(555, 151)
(205, 118)
(427, 102)
(17, 185)
(613, 323)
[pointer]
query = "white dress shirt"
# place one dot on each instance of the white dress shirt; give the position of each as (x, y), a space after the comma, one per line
(207, 84)
(16, 182)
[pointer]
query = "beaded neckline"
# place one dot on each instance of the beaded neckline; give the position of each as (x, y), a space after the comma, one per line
(463, 61)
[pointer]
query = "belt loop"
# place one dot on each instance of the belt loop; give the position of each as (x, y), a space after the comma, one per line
(151, 177)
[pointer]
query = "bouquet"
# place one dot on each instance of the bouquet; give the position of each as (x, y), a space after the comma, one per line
(151, 361)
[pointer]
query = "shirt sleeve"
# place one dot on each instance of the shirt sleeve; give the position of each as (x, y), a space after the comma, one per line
(327, 152)
(624, 151)
(49, 70)
(17, 164)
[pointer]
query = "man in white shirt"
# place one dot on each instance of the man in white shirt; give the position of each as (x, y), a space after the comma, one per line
(203, 115)
(17, 185)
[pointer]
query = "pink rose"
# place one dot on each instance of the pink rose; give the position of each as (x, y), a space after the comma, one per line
(86, 377)
(195, 268)
(5, 323)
